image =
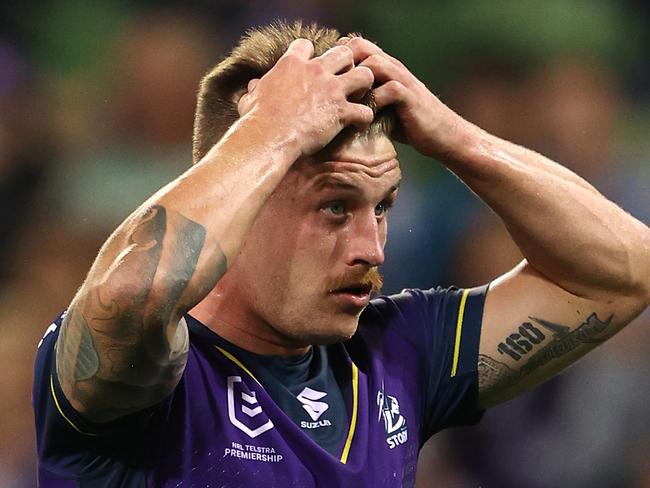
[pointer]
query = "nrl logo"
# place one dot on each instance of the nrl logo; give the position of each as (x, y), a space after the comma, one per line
(249, 407)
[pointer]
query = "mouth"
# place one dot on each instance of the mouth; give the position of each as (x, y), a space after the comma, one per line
(356, 295)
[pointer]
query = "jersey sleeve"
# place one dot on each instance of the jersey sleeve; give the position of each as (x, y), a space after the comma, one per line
(448, 322)
(70, 446)
(452, 389)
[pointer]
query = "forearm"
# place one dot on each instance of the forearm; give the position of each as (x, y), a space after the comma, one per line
(122, 346)
(566, 229)
(199, 221)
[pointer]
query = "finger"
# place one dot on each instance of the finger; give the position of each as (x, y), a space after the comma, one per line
(362, 48)
(360, 116)
(252, 84)
(357, 79)
(391, 92)
(243, 105)
(384, 69)
(337, 59)
(302, 48)
(395, 60)
(343, 40)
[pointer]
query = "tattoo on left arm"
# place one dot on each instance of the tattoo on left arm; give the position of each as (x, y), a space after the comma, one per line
(496, 375)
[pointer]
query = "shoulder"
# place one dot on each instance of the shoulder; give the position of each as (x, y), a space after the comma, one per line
(424, 320)
(411, 306)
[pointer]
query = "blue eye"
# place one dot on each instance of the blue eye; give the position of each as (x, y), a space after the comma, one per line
(380, 209)
(335, 208)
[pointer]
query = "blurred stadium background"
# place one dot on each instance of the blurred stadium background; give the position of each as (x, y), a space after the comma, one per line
(96, 102)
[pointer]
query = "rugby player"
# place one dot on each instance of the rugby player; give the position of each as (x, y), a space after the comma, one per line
(225, 334)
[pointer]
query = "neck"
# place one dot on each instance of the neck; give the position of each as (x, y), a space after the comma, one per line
(224, 312)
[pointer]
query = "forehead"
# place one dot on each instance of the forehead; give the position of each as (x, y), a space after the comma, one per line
(364, 163)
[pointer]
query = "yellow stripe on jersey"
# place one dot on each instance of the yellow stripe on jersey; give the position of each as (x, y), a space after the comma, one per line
(355, 407)
(58, 407)
(459, 331)
(238, 363)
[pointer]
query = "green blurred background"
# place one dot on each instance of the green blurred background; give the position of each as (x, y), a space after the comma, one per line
(96, 102)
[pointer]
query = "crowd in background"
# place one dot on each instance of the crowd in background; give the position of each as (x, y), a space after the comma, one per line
(96, 105)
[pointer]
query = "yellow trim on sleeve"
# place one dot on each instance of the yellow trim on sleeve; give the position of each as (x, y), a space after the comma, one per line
(459, 331)
(355, 407)
(58, 407)
(238, 363)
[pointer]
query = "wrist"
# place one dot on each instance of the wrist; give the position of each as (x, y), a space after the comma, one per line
(467, 148)
(277, 141)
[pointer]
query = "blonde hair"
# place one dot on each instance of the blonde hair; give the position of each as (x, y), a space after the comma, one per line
(256, 53)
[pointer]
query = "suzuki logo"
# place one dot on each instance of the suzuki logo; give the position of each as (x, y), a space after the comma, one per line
(249, 406)
(308, 399)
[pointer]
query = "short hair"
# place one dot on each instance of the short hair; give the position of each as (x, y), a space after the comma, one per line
(258, 51)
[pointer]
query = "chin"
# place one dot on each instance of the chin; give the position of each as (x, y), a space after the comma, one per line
(334, 337)
(327, 336)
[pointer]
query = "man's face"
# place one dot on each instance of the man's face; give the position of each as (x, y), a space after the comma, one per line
(306, 270)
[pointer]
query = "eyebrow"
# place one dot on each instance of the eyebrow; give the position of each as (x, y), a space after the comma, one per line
(395, 187)
(335, 183)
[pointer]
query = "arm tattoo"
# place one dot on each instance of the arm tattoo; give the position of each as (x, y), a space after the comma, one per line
(492, 373)
(495, 375)
(119, 352)
(78, 342)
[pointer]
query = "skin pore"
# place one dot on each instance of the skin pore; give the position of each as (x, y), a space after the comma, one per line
(309, 261)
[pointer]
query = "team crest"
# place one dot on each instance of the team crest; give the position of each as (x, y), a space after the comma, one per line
(394, 421)
(244, 411)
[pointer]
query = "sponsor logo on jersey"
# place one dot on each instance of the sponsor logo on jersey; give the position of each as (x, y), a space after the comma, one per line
(244, 411)
(309, 399)
(249, 452)
(394, 422)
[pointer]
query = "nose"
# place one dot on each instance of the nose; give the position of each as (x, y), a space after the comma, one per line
(366, 241)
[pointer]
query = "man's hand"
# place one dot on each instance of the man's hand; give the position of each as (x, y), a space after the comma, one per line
(309, 97)
(424, 121)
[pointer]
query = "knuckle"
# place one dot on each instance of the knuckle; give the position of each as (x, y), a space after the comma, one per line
(371, 61)
(354, 42)
(366, 73)
(377, 59)
(302, 42)
(315, 69)
(393, 87)
(363, 75)
(362, 45)
(288, 58)
(345, 53)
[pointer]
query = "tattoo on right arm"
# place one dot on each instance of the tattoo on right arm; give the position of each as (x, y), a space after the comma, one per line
(120, 351)
(495, 376)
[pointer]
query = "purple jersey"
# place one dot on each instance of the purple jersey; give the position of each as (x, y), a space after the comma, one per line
(408, 372)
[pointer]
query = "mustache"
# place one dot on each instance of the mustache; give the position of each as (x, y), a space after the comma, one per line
(370, 277)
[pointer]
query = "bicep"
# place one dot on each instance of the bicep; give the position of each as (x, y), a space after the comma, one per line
(532, 329)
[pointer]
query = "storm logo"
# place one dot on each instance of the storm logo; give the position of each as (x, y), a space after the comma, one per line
(394, 422)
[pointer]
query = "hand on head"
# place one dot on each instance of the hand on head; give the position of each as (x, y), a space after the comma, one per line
(317, 97)
(424, 121)
(311, 96)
